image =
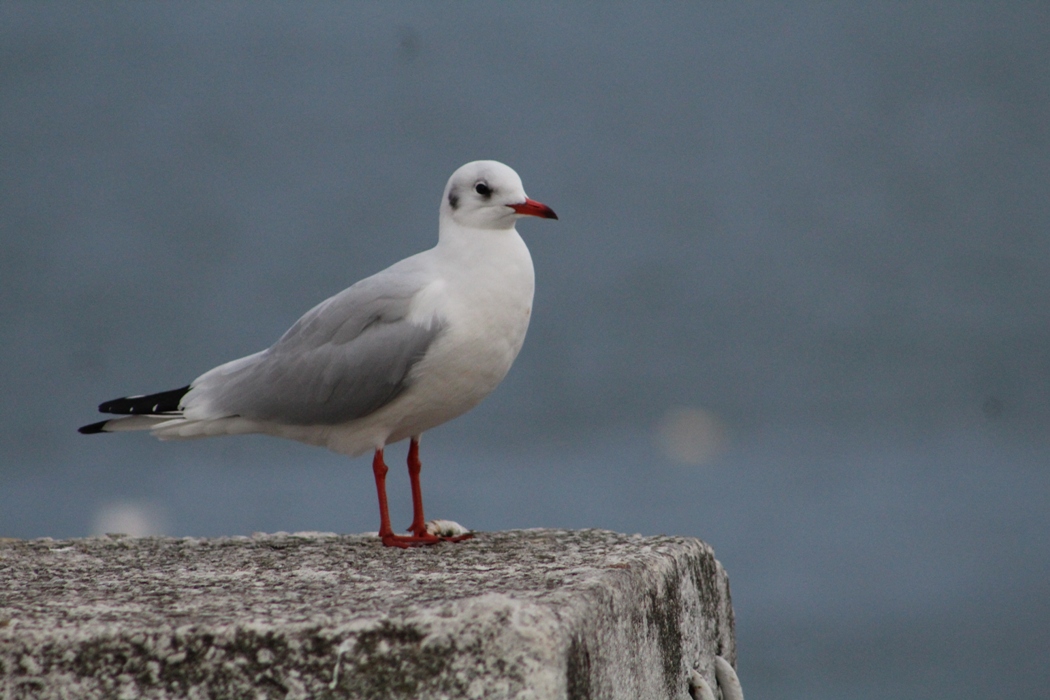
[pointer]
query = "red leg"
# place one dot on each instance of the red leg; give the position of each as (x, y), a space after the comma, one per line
(379, 469)
(419, 525)
(386, 532)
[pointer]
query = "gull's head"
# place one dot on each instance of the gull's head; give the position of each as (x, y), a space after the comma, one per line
(486, 194)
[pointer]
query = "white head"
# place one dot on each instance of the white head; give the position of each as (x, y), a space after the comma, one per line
(486, 194)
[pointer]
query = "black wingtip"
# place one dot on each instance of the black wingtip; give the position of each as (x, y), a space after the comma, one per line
(93, 428)
(163, 402)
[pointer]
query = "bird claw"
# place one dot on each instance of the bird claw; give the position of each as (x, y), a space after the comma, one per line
(456, 538)
(406, 541)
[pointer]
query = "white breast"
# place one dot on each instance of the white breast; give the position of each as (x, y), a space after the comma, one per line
(482, 295)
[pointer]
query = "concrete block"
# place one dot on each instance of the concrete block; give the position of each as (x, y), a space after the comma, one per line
(522, 614)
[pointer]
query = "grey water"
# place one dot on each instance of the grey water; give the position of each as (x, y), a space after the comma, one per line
(797, 303)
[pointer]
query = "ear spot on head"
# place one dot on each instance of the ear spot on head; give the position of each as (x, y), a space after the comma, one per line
(453, 200)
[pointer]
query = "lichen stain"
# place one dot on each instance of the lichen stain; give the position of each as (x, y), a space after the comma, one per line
(579, 671)
(663, 617)
(392, 661)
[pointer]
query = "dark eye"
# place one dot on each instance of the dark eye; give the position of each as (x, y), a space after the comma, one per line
(483, 189)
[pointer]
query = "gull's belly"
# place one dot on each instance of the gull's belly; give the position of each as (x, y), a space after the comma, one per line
(461, 369)
(485, 317)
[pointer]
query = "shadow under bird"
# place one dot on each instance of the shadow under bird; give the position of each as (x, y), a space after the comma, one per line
(396, 354)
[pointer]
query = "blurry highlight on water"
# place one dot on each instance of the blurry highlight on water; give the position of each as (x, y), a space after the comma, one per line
(691, 435)
(133, 518)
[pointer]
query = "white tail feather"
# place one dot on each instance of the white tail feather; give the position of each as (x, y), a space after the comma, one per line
(119, 425)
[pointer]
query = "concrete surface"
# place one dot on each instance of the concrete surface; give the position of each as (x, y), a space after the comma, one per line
(521, 614)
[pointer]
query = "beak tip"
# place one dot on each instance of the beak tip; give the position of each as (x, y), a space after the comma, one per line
(530, 207)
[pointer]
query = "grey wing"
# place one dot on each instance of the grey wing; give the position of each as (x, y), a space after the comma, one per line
(344, 359)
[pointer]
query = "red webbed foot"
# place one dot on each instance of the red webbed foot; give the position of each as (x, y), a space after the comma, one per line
(406, 541)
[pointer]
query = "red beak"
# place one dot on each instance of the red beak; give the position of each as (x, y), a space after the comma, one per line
(530, 207)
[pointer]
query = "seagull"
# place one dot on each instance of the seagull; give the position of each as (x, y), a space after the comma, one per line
(394, 355)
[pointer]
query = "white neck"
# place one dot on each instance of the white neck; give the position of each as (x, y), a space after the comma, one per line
(496, 259)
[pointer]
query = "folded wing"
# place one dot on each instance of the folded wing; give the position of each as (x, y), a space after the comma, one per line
(345, 358)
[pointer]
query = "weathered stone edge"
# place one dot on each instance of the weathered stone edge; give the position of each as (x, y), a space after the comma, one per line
(684, 618)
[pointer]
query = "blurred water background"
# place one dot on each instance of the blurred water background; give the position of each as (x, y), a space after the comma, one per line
(797, 304)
